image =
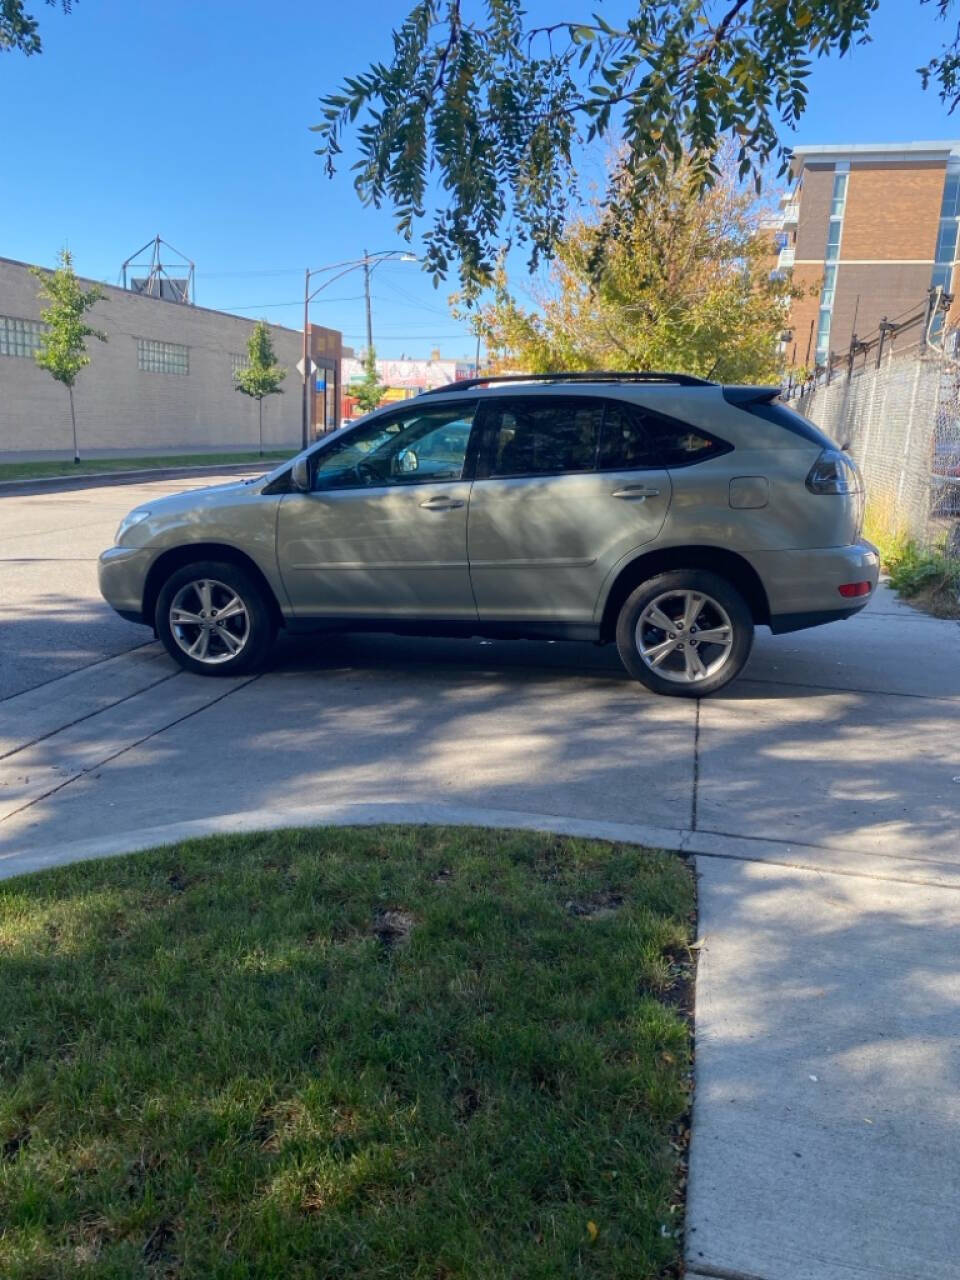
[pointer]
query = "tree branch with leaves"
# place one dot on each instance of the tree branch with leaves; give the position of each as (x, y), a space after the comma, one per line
(20, 30)
(493, 107)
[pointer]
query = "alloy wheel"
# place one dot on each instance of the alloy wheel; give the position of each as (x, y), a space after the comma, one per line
(684, 635)
(209, 621)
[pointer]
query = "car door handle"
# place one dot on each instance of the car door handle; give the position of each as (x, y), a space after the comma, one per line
(441, 503)
(636, 492)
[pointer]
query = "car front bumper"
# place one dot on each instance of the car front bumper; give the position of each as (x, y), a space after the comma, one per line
(122, 573)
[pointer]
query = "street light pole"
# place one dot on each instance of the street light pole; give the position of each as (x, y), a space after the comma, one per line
(341, 268)
(366, 290)
(305, 406)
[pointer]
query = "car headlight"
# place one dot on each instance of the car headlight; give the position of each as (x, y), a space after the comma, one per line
(128, 522)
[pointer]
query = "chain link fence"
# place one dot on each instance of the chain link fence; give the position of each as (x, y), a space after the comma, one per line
(898, 411)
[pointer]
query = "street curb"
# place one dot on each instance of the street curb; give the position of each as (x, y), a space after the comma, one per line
(98, 479)
(801, 859)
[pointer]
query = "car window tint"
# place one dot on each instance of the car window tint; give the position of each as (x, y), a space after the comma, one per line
(637, 437)
(624, 441)
(415, 447)
(545, 436)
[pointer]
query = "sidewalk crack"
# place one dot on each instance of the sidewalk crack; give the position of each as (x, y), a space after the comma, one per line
(696, 767)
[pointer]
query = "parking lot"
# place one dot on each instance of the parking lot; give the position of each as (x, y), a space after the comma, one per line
(822, 790)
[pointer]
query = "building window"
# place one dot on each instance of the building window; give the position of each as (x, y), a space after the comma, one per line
(838, 204)
(941, 279)
(839, 195)
(946, 241)
(20, 337)
(946, 250)
(162, 357)
(951, 196)
(829, 286)
(238, 363)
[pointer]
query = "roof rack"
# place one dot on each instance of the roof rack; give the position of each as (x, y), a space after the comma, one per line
(601, 375)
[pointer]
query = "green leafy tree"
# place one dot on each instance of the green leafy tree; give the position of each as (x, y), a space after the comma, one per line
(19, 30)
(684, 285)
(62, 349)
(370, 391)
(262, 375)
(492, 105)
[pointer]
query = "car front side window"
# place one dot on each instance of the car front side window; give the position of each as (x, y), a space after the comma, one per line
(416, 446)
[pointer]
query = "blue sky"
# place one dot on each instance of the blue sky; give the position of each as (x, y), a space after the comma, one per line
(190, 118)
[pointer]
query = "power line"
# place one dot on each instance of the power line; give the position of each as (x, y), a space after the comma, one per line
(298, 302)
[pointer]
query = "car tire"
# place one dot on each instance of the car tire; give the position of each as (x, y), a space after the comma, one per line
(234, 626)
(672, 659)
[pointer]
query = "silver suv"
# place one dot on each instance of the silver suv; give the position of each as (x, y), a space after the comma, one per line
(659, 511)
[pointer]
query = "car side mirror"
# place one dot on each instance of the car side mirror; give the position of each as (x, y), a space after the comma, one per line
(409, 462)
(300, 475)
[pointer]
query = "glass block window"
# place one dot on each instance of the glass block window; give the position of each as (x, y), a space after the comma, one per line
(941, 278)
(162, 357)
(829, 287)
(20, 337)
(839, 195)
(833, 239)
(838, 205)
(945, 252)
(946, 241)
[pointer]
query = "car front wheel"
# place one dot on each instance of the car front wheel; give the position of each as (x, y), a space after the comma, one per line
(685, 633)
(214, 619)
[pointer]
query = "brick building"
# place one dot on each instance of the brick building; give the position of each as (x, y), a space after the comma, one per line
(162, 383)
(867, 230)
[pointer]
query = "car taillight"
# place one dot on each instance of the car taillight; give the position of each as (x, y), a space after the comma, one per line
(850, 589)
(834, 472)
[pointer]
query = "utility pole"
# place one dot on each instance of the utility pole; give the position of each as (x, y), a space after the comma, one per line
(305, 406)
(476, 369)
(366, 290)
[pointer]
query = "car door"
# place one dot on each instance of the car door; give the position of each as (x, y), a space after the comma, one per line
(383, 530)
(566, 487)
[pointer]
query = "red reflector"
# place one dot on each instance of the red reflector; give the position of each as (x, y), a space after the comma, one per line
(855, 589)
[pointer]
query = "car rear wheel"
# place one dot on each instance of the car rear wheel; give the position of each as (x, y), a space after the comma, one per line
(214, 619)
(685, 633)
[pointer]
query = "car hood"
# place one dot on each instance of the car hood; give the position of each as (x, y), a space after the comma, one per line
(197, 497)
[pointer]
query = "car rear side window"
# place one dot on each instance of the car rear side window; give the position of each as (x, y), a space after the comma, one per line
(549, 436)
(634, 437)
(777, 412)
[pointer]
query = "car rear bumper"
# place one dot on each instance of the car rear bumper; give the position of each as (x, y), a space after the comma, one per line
(122, 572)
(803, 587)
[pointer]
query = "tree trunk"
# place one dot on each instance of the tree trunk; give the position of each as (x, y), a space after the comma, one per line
(73, 420)
(260, 407)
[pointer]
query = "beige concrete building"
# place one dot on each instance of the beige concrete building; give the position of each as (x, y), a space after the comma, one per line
(867, 230)
(163, 382)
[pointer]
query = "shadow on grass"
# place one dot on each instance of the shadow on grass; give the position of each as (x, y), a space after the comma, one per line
(390, 1052)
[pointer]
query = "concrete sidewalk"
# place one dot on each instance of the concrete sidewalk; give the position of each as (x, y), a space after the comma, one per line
(827, 1110)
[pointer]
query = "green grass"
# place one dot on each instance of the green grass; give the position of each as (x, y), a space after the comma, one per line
(391, 1052)
(929, 577)
(91, 466)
